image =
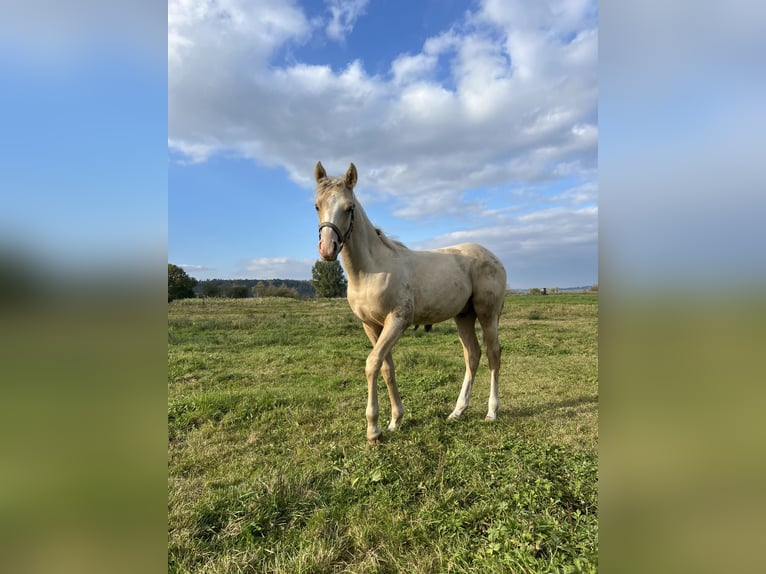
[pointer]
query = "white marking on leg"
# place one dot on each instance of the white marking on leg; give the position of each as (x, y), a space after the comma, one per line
(494, 402)
(464, 398)
(371, 370)
(466, 330)
(493, 356)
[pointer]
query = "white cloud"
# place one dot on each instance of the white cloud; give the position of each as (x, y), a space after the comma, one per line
(539, 248)
(231, 28)
(226, 93)
(194, 152)
(278, 268)
(579, 195)
(406, 68)
(343, 16)
(194, 267)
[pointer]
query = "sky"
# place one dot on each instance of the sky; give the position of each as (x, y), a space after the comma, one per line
(468, 121)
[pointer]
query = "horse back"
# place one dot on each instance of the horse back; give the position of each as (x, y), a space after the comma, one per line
(447, 279)
(485, 268)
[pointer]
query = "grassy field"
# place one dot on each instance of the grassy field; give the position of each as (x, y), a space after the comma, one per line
(269, 469)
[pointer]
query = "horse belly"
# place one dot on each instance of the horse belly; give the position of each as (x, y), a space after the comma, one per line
(440, 298)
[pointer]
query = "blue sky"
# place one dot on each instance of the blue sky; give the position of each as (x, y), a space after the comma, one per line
(468, 121)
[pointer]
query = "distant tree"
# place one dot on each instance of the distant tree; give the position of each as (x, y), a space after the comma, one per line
(259, 289)
(211, 289)
(180, 285)
(328, 279)
(271, 290)
(238, 291)
(285, 291)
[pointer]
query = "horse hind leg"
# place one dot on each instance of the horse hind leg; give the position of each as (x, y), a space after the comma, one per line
(489, 281)
(466, 330)
(389, 375)
(489, 326)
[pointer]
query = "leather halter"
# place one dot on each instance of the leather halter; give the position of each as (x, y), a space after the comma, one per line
(342, 237)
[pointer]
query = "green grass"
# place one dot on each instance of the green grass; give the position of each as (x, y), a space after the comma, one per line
(269, 469)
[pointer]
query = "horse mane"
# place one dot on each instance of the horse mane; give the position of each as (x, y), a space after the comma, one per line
(392, 244)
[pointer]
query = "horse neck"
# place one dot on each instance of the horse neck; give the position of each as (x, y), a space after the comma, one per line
(363, 251)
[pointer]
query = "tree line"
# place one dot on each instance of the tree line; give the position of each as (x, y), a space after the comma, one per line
(327, 280)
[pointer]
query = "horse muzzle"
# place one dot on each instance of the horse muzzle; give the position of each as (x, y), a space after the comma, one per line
(328, 249)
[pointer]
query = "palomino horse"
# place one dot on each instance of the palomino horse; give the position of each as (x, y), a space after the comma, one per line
(391, 287)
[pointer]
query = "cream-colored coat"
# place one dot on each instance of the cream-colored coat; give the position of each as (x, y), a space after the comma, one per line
(391, 287)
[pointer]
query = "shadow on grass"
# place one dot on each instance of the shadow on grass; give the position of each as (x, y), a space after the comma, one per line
(435, 421)
(420, 420)
(533, 410)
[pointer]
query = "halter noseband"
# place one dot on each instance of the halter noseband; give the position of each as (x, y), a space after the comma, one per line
(342, 237)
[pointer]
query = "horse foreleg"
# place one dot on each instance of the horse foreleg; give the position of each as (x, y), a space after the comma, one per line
(380, 359)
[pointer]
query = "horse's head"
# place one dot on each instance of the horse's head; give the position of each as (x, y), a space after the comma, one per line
(335, 204)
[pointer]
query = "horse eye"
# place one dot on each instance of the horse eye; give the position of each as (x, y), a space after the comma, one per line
(350, 208)
(316, 206)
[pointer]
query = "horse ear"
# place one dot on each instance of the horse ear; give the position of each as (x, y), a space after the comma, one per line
(351, 176)
(319, 172)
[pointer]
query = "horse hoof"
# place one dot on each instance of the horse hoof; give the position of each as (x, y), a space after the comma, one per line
(490, 419)
(395, 425)
(375, 441)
